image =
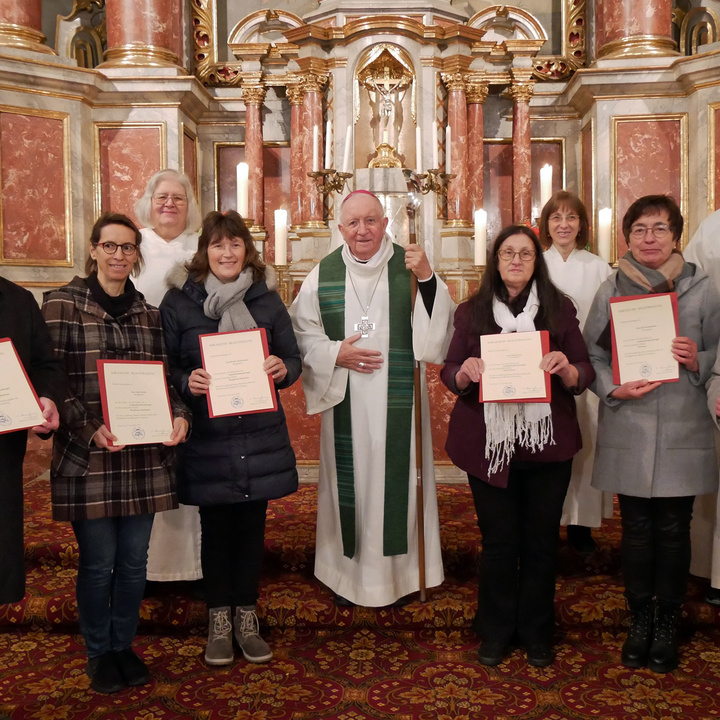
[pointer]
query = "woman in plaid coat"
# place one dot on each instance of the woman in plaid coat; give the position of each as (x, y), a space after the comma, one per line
(109, 493)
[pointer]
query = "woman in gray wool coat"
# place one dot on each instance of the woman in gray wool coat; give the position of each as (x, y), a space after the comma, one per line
(655, 445)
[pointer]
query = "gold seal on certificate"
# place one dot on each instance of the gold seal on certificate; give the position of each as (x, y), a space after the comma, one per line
(135, 401)
(19, 405)
(643, 328)
(512, 367)
(238, 383)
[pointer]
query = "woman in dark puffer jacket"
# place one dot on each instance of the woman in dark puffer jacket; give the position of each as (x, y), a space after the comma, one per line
(230, 466)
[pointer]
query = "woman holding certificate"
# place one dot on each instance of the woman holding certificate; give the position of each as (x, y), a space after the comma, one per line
(518, 455)
(223, 305)
(107, 490)
(655, 445)
(565, 231)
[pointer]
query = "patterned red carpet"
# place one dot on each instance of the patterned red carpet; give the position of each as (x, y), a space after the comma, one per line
(413, 663)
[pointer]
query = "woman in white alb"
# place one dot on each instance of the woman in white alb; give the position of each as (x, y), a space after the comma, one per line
(170, 218)
(565, 231)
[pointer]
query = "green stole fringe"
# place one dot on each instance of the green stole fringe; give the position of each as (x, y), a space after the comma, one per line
(400, 360)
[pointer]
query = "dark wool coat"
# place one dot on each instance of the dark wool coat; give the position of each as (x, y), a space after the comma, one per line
(466, 432)
(87, 481)
(237, 458)
(21, 321)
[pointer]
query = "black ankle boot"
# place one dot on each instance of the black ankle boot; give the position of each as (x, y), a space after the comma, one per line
(663, 655)
(637, 646)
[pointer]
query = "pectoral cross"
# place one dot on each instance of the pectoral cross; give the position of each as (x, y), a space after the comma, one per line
(364, 326)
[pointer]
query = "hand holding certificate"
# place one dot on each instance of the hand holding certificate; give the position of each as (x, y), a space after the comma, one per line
(239, 382)
(643, 328)
(19, 405)
(135, 401)
(512, 367)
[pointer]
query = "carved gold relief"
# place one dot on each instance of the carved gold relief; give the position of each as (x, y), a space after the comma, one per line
(476, 92)
(295, 93)
(253, 94)
(454, 81)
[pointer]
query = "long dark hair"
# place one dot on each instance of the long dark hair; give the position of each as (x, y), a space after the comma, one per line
(217, 226)
(492, 286)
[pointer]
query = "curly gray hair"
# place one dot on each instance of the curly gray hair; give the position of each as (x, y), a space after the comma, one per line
(143, 206)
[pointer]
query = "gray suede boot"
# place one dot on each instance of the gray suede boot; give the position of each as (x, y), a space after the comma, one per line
(219, 650)
(247, 634)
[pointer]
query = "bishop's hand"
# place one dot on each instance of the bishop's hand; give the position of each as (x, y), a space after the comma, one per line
(359, 359)
(416, 261)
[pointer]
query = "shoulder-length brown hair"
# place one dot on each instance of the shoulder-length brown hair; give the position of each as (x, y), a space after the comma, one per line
(216, 227)
(111, 218)
(559, 200)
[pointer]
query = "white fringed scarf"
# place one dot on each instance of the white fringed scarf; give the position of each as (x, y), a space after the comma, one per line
(528, 424)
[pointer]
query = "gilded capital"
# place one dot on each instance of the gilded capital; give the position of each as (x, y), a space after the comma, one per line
(311, 82)
(454, 81)
(253, 94)
(295, 93)
(476, 93)
(522, 92)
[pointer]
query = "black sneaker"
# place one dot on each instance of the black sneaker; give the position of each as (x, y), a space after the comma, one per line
(105, 674)
(492, 653)
(133, 670)
(540, 655)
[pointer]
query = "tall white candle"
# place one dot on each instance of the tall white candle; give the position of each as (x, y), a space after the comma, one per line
(448, 150)
(418, 150)
(480, 237)
(242, 172)
(348, 143)
(545, 185)
(603, 234)
(316, 148)
(281, 232)
(328, 144)
(434, 146)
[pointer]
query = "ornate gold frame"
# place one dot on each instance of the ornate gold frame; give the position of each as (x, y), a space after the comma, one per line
(186, 132)
(68, 261)
(227, 74)
(589, 127)
(684, 200)
(712, 167)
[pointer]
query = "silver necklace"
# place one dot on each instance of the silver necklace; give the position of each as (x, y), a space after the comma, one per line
(364, 326)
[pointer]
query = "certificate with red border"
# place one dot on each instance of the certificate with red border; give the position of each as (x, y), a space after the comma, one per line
(135, 401)
(512, 367)
(238, 384)
(19, 405)
(643, 328)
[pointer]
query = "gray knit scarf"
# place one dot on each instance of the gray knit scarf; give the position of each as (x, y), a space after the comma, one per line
(226, 302)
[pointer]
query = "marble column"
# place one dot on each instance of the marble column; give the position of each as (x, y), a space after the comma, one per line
(142, 33)
(634, 28)
(476, 93)
(254, 96)
(521, 91)
(458, 205)
(312, 117)
(295, 95)
(21, 25)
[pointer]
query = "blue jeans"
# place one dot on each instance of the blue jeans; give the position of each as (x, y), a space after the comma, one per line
(111, 579)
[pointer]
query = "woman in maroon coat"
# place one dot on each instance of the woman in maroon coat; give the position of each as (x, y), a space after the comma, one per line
(518, 456)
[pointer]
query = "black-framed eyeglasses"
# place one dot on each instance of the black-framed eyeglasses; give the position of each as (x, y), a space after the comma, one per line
(111, 248)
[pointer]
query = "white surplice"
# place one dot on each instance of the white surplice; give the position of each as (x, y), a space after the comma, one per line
(369, 578)
(704, 251)
(579, 277)
(174, 552)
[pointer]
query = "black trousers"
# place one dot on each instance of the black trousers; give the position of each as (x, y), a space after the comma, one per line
(520, 526)
(233, 540)
(655, 548)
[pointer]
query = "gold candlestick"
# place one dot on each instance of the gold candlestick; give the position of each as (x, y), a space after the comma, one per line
(330, 180)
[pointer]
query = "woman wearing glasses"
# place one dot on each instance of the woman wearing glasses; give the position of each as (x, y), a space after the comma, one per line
(169, 212)
(518, 456)
(655, 445)
(108, 492)
(565, 231)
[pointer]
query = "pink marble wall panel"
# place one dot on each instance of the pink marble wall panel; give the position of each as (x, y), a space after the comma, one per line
(475, 161)
(457, 196)
(190, 161)
(442, 401)
(149, 22)
(277, 194)
(228, 157)
(304, 429)
(648, 161)
(522, 181)
(586, 175)
(312, 117)
(25, 12)
(129, 157)
(254, 159)
(297, 168)
(622, 18)
(32, 178)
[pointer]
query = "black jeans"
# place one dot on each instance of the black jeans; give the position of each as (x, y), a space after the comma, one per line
(233, 540)
(520, 526)
(655, 548)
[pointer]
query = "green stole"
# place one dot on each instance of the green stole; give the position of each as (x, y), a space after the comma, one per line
(400, 360)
